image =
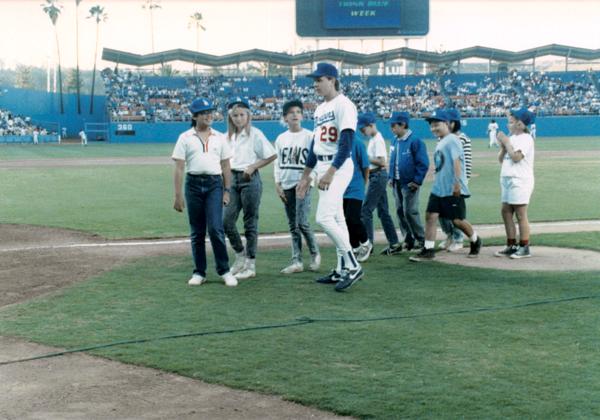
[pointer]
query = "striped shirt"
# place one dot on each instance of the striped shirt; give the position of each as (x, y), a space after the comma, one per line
(466, 144)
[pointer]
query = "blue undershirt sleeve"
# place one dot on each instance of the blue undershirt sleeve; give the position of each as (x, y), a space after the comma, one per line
(344, 148)
(311, 159)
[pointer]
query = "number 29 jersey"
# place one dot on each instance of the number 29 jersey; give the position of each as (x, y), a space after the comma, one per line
(331, 118)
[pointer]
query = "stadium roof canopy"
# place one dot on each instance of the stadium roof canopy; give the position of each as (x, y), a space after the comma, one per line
(347, 57)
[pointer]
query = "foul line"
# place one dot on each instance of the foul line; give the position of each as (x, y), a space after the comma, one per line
(262, 238)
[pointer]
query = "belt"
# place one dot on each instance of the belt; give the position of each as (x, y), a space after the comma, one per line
(374, 171)
(235, 171)
(325, 158)
(202, 175)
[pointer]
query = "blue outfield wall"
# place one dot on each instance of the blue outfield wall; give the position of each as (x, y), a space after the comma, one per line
(44, 108)
(473, 127)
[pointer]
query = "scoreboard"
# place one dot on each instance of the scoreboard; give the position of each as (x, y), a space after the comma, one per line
(362, 18)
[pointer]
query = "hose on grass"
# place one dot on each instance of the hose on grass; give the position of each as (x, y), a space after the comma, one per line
(302, 321)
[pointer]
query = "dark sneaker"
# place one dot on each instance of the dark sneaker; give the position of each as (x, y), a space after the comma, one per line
(424, 255)
(330, 278)
(507, 251)
(392, 250)
(475, 248)
(348, 279)
(522, 252)
(410, 246)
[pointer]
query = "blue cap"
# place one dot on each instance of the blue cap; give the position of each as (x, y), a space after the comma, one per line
(238, 101)
(453, 114)
(200, 105)
(524, 115)
(438, 115)
(324, 69)
(400, 117)
(365, 119)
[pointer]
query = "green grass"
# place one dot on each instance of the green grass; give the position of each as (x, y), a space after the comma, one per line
(136, 201)
(438, 356)
(92, 150)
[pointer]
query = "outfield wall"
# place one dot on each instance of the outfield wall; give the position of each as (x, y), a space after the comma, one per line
(580, 126)
(44, 108)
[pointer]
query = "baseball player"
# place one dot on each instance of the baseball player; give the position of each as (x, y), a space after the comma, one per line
(454, 236)
(251, 151)
(447, 198)
(292, 150)
(83, 138)
(516, 181)
(492, 129)
(204, 155)
(335, 121)
(533, 130)
(376, 192)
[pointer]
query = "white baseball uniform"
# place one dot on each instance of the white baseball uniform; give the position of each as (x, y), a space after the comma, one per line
(492, 131)
(331, 118)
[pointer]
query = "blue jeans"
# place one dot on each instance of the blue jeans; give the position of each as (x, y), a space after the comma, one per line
(245, 195)
(450, 230)
(297, 212)
(407, 208)
(377, 198)
(204, 198)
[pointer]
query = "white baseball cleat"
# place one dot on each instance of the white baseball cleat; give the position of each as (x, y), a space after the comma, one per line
(196, 280)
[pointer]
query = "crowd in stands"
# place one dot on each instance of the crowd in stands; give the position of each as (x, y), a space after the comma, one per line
(15, 125)
(134, 97)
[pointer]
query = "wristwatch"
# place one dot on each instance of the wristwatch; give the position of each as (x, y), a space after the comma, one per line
(227, 190)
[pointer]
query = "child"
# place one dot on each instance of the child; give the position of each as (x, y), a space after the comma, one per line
(447, 198)
(292, 150)
(409, 164)
(353, 200)
(376, 192)
(454, 236)
(204, 154)
(516, 181)
(251, 151)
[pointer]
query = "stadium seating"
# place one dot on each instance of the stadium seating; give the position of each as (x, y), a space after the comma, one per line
(134, 97)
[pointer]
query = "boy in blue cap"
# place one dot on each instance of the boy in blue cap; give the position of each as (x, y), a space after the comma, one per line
(449, 190)
(204, 154)
(409, 164)
(516, 181)
(454, 236)
(376, 196)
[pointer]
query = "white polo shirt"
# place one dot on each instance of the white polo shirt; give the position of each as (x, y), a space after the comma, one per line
(248, 149)
(376, 149)
(202, 158)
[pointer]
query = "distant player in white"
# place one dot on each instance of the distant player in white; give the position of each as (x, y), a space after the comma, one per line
(492, 130)
(329, 156)
(532, 130)
(83, 138)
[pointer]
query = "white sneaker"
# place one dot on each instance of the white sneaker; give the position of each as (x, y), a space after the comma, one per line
(295, 267)
(229, 279)
(455, 246)
(364, 251)
(196, 280)
(239, 264)
(315, 262)
(445, 243)
(248, 271)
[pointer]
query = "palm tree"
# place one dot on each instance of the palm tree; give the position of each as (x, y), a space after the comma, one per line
(52, 9)
(195, 20)
(151, 5)
(78, 81)
(96, 12)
